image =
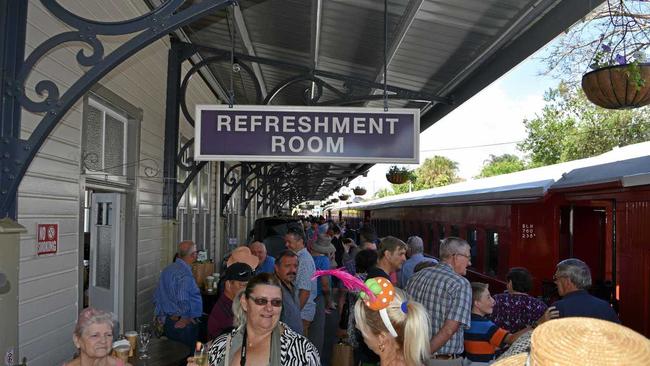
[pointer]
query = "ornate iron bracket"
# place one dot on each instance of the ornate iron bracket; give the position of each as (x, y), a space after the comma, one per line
(17, 154)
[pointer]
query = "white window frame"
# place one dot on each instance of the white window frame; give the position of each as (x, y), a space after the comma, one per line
(105, 109)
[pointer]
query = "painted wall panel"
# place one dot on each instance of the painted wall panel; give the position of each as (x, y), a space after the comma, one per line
(49, 286)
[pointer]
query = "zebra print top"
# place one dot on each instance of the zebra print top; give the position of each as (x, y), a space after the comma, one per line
(294, 349)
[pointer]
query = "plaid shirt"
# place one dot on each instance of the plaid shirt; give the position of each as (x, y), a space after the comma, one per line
(445, 295)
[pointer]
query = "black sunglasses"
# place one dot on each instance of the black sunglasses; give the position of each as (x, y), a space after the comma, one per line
(262, 301)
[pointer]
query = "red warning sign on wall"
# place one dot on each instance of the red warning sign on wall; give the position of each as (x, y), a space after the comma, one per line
(47, 238)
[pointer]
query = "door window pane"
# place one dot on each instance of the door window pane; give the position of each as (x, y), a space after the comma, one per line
(103, 257)
(492, 259)
(472, 236)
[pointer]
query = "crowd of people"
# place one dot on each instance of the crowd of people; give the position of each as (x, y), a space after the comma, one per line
(393, 305)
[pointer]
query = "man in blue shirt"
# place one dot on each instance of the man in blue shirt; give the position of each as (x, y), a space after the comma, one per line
(414, 250)
(573, 278)
(267, 263)
(178, 299)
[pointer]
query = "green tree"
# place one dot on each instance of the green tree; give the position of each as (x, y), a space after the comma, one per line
(572, 53)
(437, 171)
(384, 192)
(502, 164)
(570, 128)
(434, 172)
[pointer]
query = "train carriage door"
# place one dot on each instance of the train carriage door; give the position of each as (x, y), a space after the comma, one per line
(585, 236)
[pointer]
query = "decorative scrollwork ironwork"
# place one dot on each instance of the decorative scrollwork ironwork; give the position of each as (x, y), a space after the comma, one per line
(146, 28)
(207, 61)
(90, 161)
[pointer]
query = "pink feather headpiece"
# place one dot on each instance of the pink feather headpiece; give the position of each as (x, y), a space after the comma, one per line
(351, 282)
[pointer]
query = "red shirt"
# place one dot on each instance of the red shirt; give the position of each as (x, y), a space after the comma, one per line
(221, 317)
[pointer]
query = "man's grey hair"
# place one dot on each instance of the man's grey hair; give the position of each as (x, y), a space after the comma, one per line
(576, 271)
(185, 248)
(415, 244)
(257, 243)
(452, 245)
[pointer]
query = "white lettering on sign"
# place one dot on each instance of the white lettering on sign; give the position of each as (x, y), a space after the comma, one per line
(47, 238)
(306, 124)
(314, 144)
(527, 231)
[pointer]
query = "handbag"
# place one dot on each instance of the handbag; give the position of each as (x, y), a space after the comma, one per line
(342, 354)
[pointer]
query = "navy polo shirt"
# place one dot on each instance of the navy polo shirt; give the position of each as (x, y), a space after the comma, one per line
(581, 303)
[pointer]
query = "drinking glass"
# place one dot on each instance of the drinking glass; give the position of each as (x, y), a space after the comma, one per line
(143, 339)
(200, 355)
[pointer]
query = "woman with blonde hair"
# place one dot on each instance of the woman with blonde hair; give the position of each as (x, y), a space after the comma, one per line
(392, 326)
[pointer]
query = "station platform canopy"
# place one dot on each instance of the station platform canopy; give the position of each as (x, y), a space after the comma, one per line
(439, 54)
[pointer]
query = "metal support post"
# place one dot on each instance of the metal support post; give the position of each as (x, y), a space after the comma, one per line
(13, 23)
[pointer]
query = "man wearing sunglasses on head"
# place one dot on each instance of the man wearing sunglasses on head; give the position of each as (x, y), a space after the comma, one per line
(221, 318)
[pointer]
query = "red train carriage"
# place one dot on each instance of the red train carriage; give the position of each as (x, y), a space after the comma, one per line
(595, 209)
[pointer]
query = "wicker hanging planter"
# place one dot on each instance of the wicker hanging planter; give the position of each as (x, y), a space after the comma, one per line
(334, 200)
(359, 191)
(344, 197)
(609, 87)
(397, 178)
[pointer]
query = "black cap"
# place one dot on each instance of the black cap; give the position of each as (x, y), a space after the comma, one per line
(238, 272)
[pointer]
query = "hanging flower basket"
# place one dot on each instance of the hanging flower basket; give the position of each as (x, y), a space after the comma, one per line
(334, 200)
(344, 197)
(610, 87)
(359, 191)
(397, 178)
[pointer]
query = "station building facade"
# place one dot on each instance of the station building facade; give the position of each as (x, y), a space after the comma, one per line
(99, 179)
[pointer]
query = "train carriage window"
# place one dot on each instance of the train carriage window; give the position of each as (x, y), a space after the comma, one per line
(492, 257)
(454, 231)
(472, 236)
(441, 231)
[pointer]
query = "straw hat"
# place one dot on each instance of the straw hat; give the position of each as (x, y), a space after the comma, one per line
(583, 341)
(243, 255)
(515, 360)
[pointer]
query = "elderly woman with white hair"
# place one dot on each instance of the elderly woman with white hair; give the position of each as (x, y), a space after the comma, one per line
(93, 337)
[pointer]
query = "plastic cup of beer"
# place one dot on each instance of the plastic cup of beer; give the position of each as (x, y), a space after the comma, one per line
(121, 349)
(132, 337)
(200, 355)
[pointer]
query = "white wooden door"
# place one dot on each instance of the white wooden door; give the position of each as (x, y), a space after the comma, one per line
(106, 253)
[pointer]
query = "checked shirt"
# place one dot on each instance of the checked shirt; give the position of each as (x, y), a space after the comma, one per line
(445, 295)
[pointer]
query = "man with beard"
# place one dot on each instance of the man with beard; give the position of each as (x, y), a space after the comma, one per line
(286, 267)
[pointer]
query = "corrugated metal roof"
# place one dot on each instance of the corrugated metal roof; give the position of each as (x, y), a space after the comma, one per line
(439, 47)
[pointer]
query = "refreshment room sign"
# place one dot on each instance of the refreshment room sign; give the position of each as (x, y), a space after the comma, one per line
(47, 238)
(307, 134)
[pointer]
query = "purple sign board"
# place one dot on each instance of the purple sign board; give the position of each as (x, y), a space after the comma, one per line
(307, 134)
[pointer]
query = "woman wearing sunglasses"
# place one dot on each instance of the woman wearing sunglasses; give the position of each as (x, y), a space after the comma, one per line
(260, 338)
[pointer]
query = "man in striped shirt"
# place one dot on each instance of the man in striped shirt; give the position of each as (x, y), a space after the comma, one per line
(447, 296)
(178, 299)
